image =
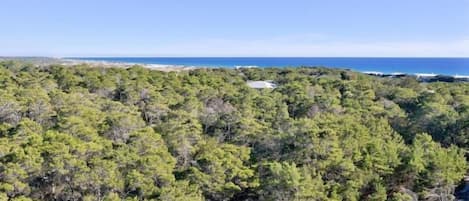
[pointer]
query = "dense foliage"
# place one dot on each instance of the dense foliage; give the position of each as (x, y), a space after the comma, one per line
(82, 133)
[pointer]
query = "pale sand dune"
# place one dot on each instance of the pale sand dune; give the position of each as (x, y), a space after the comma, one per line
(106, 64)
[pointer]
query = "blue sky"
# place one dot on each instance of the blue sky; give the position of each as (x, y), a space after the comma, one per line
(410, 28)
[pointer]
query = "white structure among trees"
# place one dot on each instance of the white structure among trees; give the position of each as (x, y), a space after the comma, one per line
(261, 84)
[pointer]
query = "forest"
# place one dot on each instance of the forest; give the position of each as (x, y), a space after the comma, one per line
(108, 134)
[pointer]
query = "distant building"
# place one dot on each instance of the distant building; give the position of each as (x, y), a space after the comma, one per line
(268, 84)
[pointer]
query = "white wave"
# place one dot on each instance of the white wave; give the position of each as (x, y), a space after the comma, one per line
(461, 76)
(426, 74)
(238, 67)
(373, 73)
(398, 73)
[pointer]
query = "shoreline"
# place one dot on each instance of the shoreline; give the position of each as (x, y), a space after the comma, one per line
(108, 64)
(421, 77)
(169, 67)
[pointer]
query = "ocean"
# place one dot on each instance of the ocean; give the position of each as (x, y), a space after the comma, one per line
(443, 66)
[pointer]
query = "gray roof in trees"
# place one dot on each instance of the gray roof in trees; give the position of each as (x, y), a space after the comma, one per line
(261, 84)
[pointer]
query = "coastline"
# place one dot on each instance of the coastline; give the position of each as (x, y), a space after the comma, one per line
(169, 67)
(108, 64)
(42, 61)
(422, 77)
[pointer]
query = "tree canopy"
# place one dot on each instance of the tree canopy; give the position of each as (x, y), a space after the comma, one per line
(90, 133)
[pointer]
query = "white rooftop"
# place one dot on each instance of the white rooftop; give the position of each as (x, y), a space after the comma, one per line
(261, 84)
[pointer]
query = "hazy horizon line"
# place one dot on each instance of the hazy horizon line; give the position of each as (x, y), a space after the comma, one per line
(265, 57)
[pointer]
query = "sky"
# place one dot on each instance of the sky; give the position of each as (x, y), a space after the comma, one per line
(235, 28)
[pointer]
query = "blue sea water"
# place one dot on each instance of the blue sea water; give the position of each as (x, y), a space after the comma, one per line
(445, 66)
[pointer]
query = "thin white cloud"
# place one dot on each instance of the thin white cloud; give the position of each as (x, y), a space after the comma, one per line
(453, 48)
(307, 45)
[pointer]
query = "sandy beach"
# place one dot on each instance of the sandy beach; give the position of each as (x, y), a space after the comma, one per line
(107, 64)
